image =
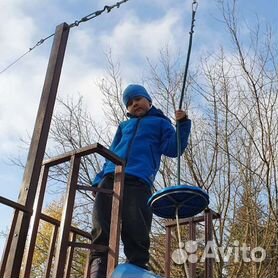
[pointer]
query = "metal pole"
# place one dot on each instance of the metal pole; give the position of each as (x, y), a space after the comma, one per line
(37, 150)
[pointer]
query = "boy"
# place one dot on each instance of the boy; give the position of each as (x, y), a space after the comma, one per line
(141, 141)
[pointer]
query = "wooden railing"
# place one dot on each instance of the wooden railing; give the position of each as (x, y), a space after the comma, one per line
(64, 235)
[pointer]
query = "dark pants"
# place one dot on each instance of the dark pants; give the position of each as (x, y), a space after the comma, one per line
(136, 224)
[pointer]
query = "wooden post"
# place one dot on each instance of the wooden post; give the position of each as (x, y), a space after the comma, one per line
(51, 252)
(34, 225)
(72, 238)
(115, 226)
(192, 236)
(208, 238)
(64, 230)
(167, 262)
(37, 150)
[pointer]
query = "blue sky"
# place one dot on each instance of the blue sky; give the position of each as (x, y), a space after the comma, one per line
(138, 29)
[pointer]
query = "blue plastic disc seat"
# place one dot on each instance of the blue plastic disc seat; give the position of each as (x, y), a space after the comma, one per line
(190, 200)
(132, 271)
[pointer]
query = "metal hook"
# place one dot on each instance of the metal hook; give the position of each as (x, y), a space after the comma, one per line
(194, 6)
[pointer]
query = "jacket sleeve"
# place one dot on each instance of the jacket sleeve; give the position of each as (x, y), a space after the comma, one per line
(169, 138)
(115, 142)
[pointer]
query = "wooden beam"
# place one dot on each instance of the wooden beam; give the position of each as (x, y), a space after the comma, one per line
(115, 226)
(37, 150)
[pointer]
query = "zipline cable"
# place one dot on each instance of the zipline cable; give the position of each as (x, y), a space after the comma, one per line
(74, 24)
(194, 9)
(30, 49)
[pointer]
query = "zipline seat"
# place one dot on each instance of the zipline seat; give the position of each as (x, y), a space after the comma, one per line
(190, 200)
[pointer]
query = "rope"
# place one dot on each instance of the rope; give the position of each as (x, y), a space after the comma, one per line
(194, 9)
(180, 243)
(74, 24)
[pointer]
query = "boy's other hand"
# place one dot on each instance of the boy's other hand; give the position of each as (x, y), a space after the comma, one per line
(181, 115)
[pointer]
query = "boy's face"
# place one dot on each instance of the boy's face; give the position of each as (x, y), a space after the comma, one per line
(138, 106)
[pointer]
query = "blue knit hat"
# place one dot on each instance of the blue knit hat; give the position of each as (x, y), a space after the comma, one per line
(134, 90)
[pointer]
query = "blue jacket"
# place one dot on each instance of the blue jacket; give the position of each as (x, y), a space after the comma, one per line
(142, 141)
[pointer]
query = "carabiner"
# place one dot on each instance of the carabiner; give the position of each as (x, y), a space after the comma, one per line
(194, 6)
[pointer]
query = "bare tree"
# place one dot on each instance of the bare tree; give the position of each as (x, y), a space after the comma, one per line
(232, 101)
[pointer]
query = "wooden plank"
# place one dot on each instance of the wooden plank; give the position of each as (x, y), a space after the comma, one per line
(51, 251)
(115, 226)
(15, 205)
(8, 245)
(35, 222)
(87, 267)
(192, 236)
(167, 252)
(208, 238)
(63, 236)
(56, 222)
(70, 256)
(94, 148)
(196, 219)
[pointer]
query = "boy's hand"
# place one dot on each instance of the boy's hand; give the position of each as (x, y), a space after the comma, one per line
(181, 115)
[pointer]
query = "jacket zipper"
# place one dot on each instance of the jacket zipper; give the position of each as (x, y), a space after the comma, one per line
(152, 154)
(132, 139)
